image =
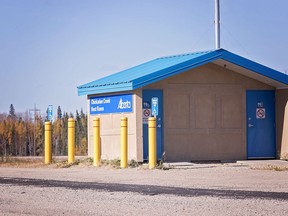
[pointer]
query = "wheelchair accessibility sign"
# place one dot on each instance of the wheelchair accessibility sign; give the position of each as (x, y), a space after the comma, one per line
(155, 105)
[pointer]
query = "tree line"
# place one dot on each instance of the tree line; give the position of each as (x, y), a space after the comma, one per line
(22, 134)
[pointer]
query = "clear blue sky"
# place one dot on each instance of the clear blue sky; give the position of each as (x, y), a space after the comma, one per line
(49, 47)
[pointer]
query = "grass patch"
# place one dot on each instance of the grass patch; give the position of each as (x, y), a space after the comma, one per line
(21, 163)
(38, 162)
(112, 163)
(160, 165)
(133, 164)
(65, 164)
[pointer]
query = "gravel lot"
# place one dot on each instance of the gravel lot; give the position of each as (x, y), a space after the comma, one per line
(203, 189)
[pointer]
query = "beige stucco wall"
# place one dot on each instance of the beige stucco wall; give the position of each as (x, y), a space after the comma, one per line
(282, 123)
(204, 117)
(205, 113)
(110, 131)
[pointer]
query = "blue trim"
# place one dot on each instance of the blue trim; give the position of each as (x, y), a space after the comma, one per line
(165, 67)
(255, 67)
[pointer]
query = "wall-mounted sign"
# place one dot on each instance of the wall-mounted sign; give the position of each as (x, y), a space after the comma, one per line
(260, 104)
(111, 104)
(154, 102)
(145, 115)
(146, 105)
(260, 113)
(50, 113)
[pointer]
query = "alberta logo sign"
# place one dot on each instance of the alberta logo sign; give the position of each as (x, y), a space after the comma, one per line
(111, 104)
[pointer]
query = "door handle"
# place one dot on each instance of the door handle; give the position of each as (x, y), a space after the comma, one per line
(250, 125)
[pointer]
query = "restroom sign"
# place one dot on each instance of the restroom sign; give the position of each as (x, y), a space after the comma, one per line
(155, 105)
(260, 113)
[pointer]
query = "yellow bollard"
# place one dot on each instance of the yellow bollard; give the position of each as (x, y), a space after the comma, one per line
(48, 145)
(96, 133)
(124, 136)
(152, 142)
(71, 140)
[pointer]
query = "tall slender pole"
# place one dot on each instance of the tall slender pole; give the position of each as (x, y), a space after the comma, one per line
(217, 24)
(35, 110)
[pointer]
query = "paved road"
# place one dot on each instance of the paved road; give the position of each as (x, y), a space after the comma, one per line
(212, 189)
(150, 190)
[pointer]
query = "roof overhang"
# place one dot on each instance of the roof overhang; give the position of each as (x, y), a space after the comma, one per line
(162, 68)
(251, 74)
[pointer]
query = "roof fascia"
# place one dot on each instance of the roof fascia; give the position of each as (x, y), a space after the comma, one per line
(255, 67)
(105, 89)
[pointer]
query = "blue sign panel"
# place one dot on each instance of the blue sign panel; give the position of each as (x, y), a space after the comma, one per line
(154, 102)
(50, 112)
(111, 104)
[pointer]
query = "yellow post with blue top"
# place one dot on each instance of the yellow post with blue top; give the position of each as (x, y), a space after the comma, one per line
(152, 142)
(96, 141)
(124, 142)
(48, 145)
(71, 140)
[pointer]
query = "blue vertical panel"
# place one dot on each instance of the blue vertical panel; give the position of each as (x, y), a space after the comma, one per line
(260, 124)
(148, 98)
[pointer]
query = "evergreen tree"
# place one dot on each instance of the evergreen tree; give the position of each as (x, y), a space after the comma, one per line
(59, 113)
(12, 113)
(17, 133)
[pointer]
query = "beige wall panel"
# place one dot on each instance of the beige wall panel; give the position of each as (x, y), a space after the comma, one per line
(205, 147)
(205, 110)
(231, 111)
(231, 145)
(178, 111)
(139, 127)
(282, 123)
(110, 133)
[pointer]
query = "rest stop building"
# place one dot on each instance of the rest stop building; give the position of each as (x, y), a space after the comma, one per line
(212, 105)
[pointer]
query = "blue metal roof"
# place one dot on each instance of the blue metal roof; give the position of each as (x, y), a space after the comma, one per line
(164, 67)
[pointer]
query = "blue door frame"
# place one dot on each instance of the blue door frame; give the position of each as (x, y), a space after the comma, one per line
(147, 96)
(260, 110)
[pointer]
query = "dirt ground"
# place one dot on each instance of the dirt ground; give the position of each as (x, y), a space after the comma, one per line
(186, 189)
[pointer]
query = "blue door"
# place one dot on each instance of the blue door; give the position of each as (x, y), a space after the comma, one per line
(260, 124)
(149, 96)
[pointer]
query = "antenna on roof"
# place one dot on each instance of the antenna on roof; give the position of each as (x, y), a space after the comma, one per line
(217, 24)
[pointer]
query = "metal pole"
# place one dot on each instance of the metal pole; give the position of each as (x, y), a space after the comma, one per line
(71, 140)
(124, 139)
(35, 110)
(96, 134)
(152, 142)
(217, 24)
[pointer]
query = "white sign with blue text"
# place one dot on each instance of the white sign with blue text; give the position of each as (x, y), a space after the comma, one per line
(154, 102)
(111, 104)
